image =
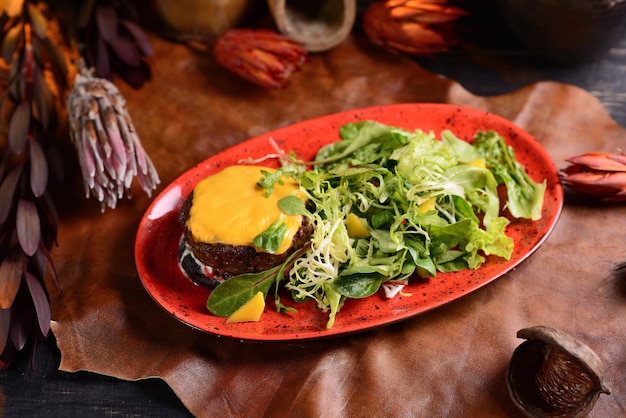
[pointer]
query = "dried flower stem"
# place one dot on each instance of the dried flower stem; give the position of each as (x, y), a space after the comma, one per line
(109, 149)
(28, 223)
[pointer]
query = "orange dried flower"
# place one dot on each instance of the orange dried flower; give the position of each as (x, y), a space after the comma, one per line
(260, 56)
(600, 174)
(416, 27)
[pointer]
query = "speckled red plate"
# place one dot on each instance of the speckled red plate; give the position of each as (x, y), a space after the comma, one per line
(159, 231)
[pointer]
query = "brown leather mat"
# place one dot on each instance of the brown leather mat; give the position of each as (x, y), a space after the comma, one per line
(448, 362)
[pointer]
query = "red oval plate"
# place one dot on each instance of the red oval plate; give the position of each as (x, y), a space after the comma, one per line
(159, 230)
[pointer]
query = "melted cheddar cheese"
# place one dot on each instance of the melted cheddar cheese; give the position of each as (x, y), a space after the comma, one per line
(231, 208)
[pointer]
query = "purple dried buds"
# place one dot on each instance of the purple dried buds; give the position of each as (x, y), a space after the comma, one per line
(114, 42)
(109, 150)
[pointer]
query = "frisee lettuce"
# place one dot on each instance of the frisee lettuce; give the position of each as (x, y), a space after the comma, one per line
(391, 177)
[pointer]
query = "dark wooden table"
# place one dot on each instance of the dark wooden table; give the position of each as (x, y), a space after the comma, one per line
(35, 387)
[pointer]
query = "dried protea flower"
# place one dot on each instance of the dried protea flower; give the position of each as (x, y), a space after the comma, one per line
(109, 150)
(260, 56)
(599, 174)
(113, 41)
(416, 27)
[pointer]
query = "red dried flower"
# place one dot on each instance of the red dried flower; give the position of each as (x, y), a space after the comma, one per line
(600, 174)
(417, 27)
(260, 56)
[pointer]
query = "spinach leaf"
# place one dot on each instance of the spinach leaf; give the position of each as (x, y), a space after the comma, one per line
(233, 293)
(271, 239)
(292, 205)
(357, 285)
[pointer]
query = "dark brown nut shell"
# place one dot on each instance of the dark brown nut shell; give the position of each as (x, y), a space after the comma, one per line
(553, 375)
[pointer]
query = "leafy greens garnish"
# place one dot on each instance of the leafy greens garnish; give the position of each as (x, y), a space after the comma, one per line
(271, 239)
(292, 205)
(525, 197)
(430, 205)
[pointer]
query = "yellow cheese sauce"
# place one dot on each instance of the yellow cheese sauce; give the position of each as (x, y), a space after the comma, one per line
(230, 208)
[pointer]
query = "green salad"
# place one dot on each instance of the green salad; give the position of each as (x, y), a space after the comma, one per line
(388, 204)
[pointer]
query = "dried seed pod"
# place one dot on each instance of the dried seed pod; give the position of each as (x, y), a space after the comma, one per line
(553, 375)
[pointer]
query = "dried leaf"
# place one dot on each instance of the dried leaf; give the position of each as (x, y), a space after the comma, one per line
(37, 20)
(21, 321)
(28, 226)
(40, 263)
(44, 101)
(41, 302)
(55, 274)
(50, 56)
(18, 127)
(38, 169)
(126, 50)
(13, 7)
(55, 158)
(11, 271)
(6, 109)
(10, 42)
(106, 19)
(7, 192)
(14, 87)
(84, 14)
(135, 76)
(4, 18)
(140, 37)
(5, 325)
(19, 332)
(103, 62)
(49, 218)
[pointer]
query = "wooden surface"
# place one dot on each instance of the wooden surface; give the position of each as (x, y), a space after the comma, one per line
(40, 389)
